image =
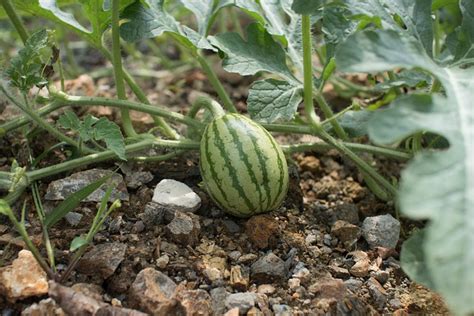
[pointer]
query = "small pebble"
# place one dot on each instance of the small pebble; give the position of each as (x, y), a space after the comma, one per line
(162, 261)
(267, 289)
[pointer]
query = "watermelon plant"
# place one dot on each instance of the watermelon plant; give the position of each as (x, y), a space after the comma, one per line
(414, 105)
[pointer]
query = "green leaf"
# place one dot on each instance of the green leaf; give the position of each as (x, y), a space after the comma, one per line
(276, 13)
(414, 15)
(413, 261)
(271, 100)
(259, 53)
(97, 13)
(382, 50)
(77, 243)
(110, 133)
(26, 69)
(149, 19)
(93, 128)
(306, 6)
(464, 53)
(406, 78)
(72, 201)
(355, 123)
(437, 186)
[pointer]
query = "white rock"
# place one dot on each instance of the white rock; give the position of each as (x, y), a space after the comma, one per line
(24, 278)
(176, 195)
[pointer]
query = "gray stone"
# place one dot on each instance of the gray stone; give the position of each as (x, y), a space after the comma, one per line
(281, 310)
(234, 255)
(138, 178)
(102, 260)
(218, 296)
(381, 231)
(353, 284)
(268, 268)
(184, 229)
(242, 301)
(176, 195)
(381, 276)
(61, 189)
(73, 218)
(230, 226)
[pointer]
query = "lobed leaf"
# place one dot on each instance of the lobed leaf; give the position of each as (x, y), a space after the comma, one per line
(438, 186)
(97, 12)
(259, 53)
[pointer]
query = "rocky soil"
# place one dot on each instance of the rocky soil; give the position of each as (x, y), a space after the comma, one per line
(331, 249)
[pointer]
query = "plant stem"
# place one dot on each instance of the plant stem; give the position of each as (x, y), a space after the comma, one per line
(22, 120)
(141, 107)
(323, 147)
(31, 247)
(15, 19)
(308, 73)
(38, 174)
(308, 84)
(166, 129)
(118, 68)
(204, 102)
(38, 120)
(215, 82)
(358, 161)
(41, 216)
(329, 114)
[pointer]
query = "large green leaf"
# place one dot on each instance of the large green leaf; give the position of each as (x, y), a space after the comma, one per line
(276, 14)
(149, 19)
(259, 53)
(438, 186)
(412, 258)
(415, 15)
(97, 12)
(272, 100)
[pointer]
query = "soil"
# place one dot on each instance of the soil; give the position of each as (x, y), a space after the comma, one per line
(321, 185)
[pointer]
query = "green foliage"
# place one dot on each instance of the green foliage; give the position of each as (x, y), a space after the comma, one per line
(436, 185)
(306, 6)
(259, 53)
(271, 100)
(97, 13)
(26, 69)
(92, 128)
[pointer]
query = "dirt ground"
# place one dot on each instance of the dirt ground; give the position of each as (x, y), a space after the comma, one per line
(319, 275)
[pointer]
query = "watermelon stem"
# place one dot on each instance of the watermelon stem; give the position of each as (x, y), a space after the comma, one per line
(203, 102)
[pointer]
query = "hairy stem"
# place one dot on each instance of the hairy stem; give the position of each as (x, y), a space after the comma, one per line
(15, 19)
(308, 73)
(118, 69)
(141, 107)
(215, 82)
(204, 102)
(41, 123)
(323, 147)
(165, 128)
